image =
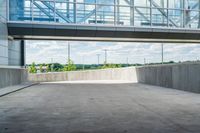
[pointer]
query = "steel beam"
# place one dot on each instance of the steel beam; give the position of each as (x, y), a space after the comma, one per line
(163, 12)
(56, 11)
(90, 14)
(42, 9)
(137, 10)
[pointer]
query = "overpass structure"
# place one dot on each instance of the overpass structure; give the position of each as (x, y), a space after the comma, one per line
(103, 20)
(176, 21)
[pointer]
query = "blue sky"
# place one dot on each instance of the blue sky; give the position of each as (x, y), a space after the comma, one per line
(118, 52)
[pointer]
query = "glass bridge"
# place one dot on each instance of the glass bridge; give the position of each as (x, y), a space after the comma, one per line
(138, 13)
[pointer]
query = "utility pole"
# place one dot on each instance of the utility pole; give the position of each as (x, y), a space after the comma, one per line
(144, 61)
(162, 53)
(51, 64)
(105, 56)
(69, 52)
(98, 55)
(127, 61)
(83, 63)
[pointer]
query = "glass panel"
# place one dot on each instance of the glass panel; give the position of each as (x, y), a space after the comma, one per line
(86, 13)
(176, 4)
(123, 16)
(142, 17)
(20, 10)
(160, 3)
(123, 2)
(142, 3)
(105, 15)
(105, 2)
(65, 12)
(41, 12)
(159, 18)
(192, 4)
(192, 20)
(176, 18)
(3, 8)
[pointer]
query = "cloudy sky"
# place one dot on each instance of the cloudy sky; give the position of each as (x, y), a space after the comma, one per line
(86, 52)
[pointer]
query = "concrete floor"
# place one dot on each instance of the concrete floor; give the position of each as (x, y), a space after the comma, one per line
(99, 108)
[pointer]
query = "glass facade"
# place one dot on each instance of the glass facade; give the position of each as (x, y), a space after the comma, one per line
(154, 13)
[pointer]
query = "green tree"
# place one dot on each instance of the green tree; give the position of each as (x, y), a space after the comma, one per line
(57, 67)
(111, 66)
(41, 68)
(32, 68)
(70, 66)
(48, 68)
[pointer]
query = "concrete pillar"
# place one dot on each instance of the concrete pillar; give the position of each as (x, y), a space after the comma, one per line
(23, 53)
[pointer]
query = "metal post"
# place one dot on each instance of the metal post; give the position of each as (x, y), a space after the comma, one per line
(32, 12)
(131, 12)
(162, 53)
(67, 8)
(183, 22)
(199, 15)
(115, 12)
(167, 13)
(150, 12)
(95, 11)
(163, 6)
(118, 11)
(74, 11)
(7, 10)
(144, 61)
(54, 11)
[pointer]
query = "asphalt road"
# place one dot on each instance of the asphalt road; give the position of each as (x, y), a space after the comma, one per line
(99, 108)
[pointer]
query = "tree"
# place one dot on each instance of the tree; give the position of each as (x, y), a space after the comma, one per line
(70, 66)
(48, 68)
(32, 68)
(41, 68)
(111, 66)
(57, 67)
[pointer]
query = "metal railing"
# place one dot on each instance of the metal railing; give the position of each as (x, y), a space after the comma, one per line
(154, 13)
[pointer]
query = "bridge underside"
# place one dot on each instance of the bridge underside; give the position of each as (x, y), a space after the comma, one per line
(44, 31)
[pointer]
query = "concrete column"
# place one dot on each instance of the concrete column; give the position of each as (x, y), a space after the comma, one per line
(23, 51)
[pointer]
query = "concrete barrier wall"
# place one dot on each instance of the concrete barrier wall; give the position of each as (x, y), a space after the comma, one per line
(12, 76)
(179, 76)
(103, 74)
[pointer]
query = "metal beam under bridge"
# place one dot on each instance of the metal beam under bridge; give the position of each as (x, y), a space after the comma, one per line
(77, 32)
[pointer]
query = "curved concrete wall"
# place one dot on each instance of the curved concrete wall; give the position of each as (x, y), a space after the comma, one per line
(178, 76)
(12, 76)
(102, 74)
